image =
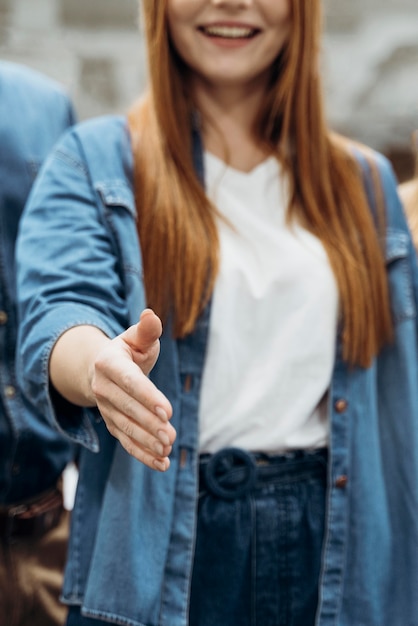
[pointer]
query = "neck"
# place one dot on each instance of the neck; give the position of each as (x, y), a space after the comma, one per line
(228, 119)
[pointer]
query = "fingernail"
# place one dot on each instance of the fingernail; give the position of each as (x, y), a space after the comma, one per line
(163, 437)
(161, 413)
(160, 465)
(159, 448)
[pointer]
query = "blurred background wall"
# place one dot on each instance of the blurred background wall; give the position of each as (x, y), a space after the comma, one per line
(93, 47)
(371, 70)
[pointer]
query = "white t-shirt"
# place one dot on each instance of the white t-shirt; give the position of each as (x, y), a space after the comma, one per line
(271, 342)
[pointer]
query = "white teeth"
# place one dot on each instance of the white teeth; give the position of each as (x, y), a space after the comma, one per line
(229, 32)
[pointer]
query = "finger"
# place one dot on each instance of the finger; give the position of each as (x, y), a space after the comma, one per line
(136, 388)
(136, 421)
(126, 429)
(142, 336)
(137, 442)
(144, 456)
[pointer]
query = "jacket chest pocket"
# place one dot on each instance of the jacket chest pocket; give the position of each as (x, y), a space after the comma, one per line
(399, 276)
(120, 214)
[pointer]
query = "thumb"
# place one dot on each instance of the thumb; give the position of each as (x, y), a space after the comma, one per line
(142, 338)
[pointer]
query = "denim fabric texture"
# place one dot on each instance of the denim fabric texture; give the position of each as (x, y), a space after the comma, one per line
(76, 619)
(259, 540)
(34, 112)
(134, 530)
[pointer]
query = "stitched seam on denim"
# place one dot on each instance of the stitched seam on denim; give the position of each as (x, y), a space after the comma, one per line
(71, 160)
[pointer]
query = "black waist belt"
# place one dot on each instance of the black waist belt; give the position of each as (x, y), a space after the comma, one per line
(232, 473)
(32, 518)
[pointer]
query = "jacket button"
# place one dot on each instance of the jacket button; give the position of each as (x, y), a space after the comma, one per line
(3, 318)
(9, 391)
(340, 405)
(341, 482)
(188, 383)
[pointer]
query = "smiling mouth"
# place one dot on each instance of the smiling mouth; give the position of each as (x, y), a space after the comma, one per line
(229, 32)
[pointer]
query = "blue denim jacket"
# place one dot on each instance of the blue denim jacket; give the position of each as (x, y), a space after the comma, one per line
(34, 112)
(132, 538)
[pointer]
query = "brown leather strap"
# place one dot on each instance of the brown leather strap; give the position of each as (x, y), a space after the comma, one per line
(32, 518)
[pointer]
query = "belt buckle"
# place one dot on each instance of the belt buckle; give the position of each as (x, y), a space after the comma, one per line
(237, 458)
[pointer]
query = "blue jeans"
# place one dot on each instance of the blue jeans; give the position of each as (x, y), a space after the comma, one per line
(259, 540)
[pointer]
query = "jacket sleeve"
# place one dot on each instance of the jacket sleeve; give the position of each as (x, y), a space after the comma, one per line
(67, 275)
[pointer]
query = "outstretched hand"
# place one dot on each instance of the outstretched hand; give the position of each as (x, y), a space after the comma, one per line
(134, 410)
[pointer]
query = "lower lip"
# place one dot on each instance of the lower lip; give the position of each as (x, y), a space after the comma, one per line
(224, 42)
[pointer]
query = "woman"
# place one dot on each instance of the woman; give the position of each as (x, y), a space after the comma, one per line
(266, 470)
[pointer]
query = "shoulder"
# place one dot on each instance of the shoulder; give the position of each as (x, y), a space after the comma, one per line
(103, 133)
(100, 147)
(104, 138)
(375, 168)
(380, 182)
(370, 160)
(21, 82)
(36, 108)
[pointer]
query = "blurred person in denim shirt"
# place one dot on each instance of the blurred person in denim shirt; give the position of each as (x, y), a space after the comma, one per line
(34, 111)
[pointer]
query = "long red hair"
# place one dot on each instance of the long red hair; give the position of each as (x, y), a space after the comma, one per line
(177, 223)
